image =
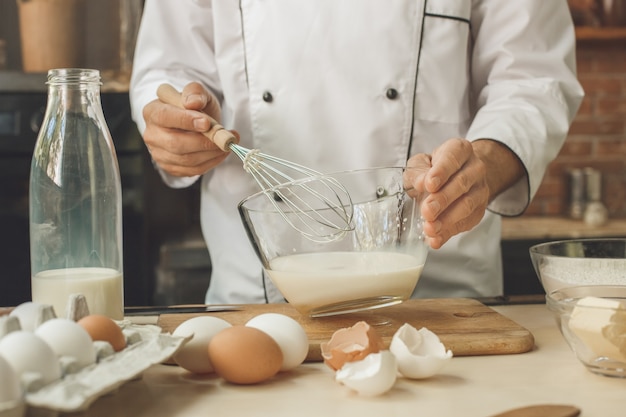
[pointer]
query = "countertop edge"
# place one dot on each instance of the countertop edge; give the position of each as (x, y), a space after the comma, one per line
(549, 227)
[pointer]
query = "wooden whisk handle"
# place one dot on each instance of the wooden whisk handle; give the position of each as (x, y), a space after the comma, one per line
(222, 137)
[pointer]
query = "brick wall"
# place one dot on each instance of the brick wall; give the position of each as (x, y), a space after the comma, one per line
(597, 137)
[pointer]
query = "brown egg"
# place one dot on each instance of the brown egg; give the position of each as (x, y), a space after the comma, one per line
(351, 344)
(245, 355)
(103, 328)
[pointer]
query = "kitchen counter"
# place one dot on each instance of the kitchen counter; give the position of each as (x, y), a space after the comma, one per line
(469, 386)
(540, 228)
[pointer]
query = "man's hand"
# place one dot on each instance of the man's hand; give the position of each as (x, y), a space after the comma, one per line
(174, 136)
(460, 178)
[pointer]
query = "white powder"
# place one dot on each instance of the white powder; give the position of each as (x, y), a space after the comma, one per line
(563, 272)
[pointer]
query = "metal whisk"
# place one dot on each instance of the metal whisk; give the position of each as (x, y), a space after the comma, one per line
(319, 207)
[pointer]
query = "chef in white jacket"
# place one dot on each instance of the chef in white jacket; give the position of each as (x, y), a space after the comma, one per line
(480, 93)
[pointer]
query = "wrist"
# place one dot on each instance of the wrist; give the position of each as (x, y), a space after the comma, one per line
(503, 166)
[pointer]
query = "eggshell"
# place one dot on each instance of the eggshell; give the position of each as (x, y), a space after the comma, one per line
(105, 329)
(288, 333)
(27, 352)
(10, 388)
(245, 355)
(351, 344)
(420, 353)
(373, 375)
(193, 355)
(68, 338)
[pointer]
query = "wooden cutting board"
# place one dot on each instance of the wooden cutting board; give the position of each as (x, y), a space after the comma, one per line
(465, 326)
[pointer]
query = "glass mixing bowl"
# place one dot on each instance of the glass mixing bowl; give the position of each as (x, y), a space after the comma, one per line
(592, 319)
(376, 263)
(576, 262)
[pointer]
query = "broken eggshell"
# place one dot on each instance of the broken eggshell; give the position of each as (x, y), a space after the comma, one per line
(420, 353)
(373, 375)
(351, 344)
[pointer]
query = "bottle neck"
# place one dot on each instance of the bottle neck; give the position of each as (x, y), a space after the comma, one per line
(73, 89)
(73, 77)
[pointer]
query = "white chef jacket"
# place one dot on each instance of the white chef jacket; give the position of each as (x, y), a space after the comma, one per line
(348, 84)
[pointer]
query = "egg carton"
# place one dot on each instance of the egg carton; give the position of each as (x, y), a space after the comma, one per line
(146, 346)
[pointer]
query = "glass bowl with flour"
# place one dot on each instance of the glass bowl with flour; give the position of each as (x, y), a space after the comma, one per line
(592, 319)
(585, 285)
(580, 262)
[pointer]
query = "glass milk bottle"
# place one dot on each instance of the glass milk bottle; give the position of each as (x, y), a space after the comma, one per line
(76, 200)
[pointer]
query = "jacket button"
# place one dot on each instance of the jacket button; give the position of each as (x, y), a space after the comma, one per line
(267, 97)
(391, 93)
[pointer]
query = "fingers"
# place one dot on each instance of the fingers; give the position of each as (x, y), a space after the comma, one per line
(461, 216)
(188, 165)
(458, 192)
(177, 141)
(182, 153)
(413, 179)
(176, 137)
(157, 113)
(463, 184)
(447, 160)
(195, 97)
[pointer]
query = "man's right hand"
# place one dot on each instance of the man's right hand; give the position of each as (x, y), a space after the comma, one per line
(174, 136)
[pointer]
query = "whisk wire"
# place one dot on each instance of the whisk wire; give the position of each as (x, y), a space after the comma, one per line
(303, 215)
(268, 177)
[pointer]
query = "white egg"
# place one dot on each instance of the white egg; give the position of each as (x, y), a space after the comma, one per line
(27, 352)
(420, 353)
(373, 375)
(68, 338)
(194, 355)
(289, 335)
(32, 314)
(10, 388)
